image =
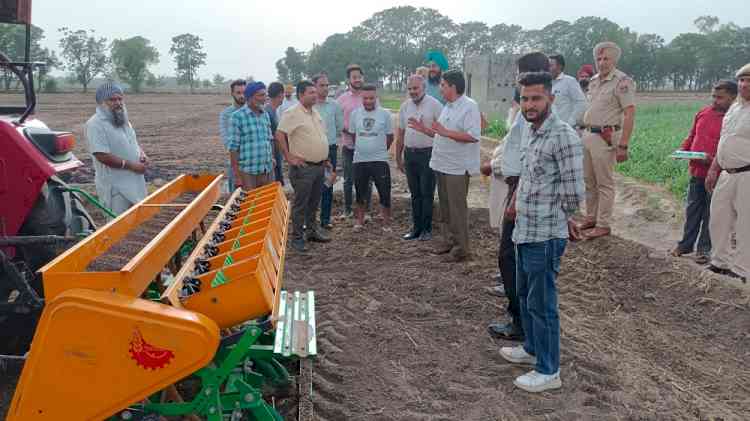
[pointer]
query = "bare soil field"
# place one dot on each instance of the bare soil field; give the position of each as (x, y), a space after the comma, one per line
(402, 335)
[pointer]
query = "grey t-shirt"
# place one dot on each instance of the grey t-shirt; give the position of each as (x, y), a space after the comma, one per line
(371, 129)
(428, 111)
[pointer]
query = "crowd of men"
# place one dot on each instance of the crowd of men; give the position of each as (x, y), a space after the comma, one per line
(560, 151)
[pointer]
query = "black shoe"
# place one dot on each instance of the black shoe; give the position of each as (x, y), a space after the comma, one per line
(299, 245)
(718, 270)
(411, 235)
(735, 275)
(426, 236)
(507, 331)
(317, 236)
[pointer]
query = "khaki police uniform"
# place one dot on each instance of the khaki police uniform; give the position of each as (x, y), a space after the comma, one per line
(730, 202)
(608, 98)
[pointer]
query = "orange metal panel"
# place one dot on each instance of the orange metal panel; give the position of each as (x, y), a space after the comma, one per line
(172, 293)
(135, 276)
(95, 353)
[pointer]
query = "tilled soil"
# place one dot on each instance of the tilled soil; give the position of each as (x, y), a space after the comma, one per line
(402, 335)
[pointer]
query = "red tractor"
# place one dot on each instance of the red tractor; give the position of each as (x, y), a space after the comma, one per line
(39, 214)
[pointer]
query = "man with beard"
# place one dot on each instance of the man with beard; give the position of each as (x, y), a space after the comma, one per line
(350, 101)
(372, 132)
(237, 90)
(333, 120)
(729, 181)
(455, 158)
(703, 137)
(609, 122)
(289, 100)
(437, 64)
(302, 139)
(275, 97)
(505, 167)
(119, 162)
(250, 140)
(550, 191)
(584, 75)
(413, 154)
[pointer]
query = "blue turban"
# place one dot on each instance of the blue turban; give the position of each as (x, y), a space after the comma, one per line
(252, 88)
(106, 90)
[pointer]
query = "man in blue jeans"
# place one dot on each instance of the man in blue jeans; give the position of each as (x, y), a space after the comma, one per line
(550, 191)
(333, 121)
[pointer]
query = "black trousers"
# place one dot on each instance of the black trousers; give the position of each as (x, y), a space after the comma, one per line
(421, 179)
(697, 216)
(506, 259)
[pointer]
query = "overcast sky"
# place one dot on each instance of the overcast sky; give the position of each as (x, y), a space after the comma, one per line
(246, 37)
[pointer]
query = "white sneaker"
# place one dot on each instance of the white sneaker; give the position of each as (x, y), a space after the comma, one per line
(368, 218)
(358, 228)
(345, 215)
(536, 382)
(517, 354)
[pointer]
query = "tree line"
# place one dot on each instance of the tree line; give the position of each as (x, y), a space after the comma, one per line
(85, 56)
(393, 42)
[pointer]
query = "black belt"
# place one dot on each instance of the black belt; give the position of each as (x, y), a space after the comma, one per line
(599, 129)
(429, 148)
(314, 163)
(737, 170)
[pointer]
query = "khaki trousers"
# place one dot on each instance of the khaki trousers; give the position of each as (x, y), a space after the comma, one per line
(598, 168)
(453, 191)
(730, 213)
(253, 181)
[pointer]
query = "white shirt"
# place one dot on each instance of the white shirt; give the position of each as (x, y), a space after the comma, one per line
(511, 157)
(428, 111)
(570, 101)
(103, 136)
(458, 158)
(285, 105)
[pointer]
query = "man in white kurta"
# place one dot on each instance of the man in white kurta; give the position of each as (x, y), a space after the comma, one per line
(119, 162)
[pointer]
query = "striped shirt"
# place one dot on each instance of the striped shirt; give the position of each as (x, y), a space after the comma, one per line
(225, 121)
(250, 137)
(551, 186)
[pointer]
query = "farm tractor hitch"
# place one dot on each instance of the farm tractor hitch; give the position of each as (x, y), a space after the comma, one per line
(214, 343)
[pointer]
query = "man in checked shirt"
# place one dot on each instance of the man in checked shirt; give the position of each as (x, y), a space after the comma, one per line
(550, 190)
(250, 148)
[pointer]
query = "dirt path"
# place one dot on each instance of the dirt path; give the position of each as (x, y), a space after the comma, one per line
(402, 335)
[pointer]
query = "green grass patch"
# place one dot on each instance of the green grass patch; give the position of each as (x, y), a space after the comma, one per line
(391, 102)
(659, 131)
(497, 129)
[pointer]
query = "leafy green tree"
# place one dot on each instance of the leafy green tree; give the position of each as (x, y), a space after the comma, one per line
(189, 56)
(84, 55)
(131, 58)
(13, 45)
(218, 80)
(472, 38)
(294, 62)
(282, 71)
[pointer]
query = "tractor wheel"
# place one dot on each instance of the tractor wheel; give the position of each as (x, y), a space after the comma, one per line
(56, 212)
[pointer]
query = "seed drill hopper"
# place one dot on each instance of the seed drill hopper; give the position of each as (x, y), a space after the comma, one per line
(210, 343)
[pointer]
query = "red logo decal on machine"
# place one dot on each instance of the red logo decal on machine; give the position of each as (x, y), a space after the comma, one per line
(146, 355)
